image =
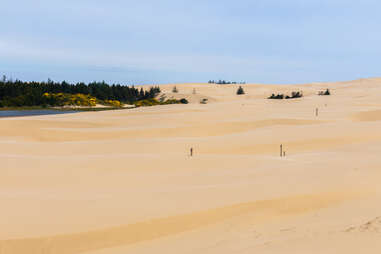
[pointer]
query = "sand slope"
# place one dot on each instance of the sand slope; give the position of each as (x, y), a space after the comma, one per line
(123, 181)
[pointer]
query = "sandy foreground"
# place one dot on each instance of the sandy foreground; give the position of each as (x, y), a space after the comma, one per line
(118, 182)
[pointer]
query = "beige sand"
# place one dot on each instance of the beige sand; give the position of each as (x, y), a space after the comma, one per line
(123, 181)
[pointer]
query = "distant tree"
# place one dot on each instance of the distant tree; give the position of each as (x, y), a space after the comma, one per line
(240, 90)
(141, 93)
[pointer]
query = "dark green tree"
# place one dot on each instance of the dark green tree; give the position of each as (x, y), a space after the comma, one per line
(240, 90)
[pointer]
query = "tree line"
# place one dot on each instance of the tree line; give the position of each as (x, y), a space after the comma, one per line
(224, 82)
(19, 93)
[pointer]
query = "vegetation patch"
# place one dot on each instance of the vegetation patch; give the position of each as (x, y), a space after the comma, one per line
(155, 102)
(240, 91)
(113, 103)
(30, 94)
(323, 93)
(294, 95)
(64, 99)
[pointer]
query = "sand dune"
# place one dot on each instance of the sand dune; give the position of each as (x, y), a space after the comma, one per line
(57, 132)
(156, 228)
(123, 181)
(368, 116)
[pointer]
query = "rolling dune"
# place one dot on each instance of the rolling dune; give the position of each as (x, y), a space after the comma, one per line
(123, 181)
(156, 228)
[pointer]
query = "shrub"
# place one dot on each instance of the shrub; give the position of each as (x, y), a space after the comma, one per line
(295, 95)
(184, 101)
(240, 90)
(171, 101)
(63, 99)
(113, 103)
(277, 97)
(326, 92)
(174, 90)
(147, 102)
(204, 101)
(154, 102)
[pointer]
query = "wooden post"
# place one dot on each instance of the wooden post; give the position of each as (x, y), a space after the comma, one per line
(281, 150)
(317, 112)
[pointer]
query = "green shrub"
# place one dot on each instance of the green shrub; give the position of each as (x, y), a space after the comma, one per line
(326, 92)
(276, 97)
(184, 101)
(294, 95)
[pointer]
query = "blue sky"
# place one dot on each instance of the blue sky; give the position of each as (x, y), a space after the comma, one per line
(167, 41)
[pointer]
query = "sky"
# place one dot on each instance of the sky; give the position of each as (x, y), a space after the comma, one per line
(171, 41)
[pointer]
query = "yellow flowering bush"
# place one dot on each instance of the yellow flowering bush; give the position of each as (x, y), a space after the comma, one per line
(113, 103)
(154, 102)
(62, 99)
(147, 102)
